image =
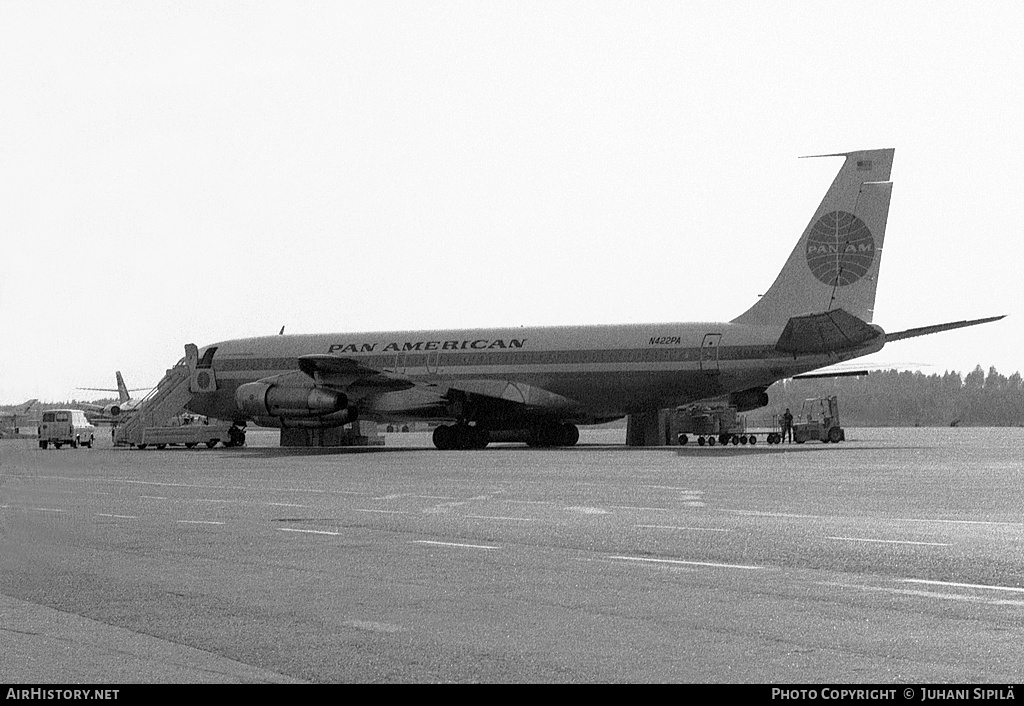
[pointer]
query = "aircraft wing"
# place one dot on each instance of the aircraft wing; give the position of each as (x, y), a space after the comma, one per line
(358, 380)
(518, 394)
(347, 373)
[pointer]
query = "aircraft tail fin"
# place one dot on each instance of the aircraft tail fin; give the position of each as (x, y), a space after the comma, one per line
(835, 263)
(122, 389)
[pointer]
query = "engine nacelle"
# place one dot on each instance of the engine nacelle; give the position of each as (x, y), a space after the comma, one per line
(262, 399)
(746, 400)
(338, 419)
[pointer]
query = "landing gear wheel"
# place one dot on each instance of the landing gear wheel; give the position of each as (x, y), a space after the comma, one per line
(236, 435)
(462, 437)
(444, 438)
(480, 437)
(570, 435)
(549, 435)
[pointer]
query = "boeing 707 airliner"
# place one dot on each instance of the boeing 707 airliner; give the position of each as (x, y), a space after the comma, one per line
(538, 384)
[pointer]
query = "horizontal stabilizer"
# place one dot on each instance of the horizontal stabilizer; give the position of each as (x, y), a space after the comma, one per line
(843, 374)
(113, 389)
(925, 330)
(822, 333)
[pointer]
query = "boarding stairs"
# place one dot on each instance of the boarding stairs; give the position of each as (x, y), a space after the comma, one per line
(165, 401)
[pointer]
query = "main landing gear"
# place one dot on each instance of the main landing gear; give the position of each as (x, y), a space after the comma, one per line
(236, 437)
(461, 436)
(554, 435)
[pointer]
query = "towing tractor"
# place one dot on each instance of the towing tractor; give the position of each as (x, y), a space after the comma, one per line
(819, 421)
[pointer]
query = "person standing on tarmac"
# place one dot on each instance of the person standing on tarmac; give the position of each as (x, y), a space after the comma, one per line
(787, 425)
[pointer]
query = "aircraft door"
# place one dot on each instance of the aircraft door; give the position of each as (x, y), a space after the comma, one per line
(400, 363)
(709, 352)
(201, 375)
(415, 363)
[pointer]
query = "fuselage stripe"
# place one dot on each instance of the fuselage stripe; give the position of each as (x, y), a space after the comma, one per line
(445, 360)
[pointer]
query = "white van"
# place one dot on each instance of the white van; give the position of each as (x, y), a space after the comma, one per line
(66, 426)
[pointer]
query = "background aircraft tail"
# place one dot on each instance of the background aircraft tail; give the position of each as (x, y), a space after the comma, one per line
(122, 389)
(835, 263)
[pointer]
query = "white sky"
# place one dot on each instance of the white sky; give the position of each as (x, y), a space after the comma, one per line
(190, 172)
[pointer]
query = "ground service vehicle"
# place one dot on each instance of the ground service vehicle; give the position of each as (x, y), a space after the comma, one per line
(187, 433)
(721, 424)
(819, 420)
(65, 426)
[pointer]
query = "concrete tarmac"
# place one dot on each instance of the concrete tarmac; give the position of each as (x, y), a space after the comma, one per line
(893, 557)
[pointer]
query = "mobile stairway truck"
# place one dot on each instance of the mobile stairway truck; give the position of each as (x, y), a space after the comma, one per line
(152, 421)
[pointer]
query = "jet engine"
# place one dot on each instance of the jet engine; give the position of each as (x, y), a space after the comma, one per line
(337, 419)
(746, 400)
(267, 399)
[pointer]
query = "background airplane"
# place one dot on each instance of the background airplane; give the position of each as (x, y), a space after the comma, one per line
(116, 412)
(537, 384)
(20, 419)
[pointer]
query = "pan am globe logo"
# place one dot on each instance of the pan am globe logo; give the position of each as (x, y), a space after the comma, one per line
(840, 249)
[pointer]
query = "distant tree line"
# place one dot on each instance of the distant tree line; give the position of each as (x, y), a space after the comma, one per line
(895, 398)
(69, 404)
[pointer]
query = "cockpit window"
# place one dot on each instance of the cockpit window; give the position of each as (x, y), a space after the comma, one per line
(207, 360)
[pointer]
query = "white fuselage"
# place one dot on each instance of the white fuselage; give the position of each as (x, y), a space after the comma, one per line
(577, 373)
